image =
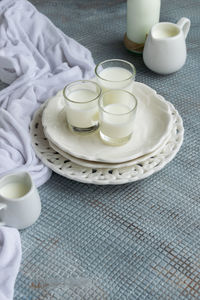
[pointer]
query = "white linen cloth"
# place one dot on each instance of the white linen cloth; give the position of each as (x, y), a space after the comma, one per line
(10, 258)
(37, 60)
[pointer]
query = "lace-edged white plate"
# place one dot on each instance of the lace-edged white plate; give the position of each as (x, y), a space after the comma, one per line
(94, 164)
(104, 176)
(152, 125)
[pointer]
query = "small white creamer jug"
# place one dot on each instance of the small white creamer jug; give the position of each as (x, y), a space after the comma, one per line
(165, 48)
(20, 204)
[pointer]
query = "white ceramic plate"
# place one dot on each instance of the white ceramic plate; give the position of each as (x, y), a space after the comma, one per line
(94, 164)
(152, 126)
(104, 176)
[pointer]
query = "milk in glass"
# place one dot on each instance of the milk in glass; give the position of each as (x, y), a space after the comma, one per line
(115, 74)
(117, 124)
(81, 102)
(115, 78)
(117, 109)
(81, 113)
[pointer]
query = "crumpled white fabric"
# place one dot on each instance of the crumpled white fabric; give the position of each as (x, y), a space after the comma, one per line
(37, 60)
(10, 258)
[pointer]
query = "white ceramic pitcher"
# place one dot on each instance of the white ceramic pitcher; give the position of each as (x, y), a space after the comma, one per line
(20, 204)
(165, 47)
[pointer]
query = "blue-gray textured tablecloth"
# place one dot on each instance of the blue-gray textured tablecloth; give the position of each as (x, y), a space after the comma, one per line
(135, 241)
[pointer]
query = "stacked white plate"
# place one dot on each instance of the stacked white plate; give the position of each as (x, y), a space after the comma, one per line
(157, 137)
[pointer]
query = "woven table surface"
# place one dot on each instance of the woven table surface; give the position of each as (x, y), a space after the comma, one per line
(135, 241)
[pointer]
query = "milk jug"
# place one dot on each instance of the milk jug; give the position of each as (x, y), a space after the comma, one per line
(165, 48)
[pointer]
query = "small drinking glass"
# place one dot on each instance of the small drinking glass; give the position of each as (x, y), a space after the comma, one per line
(115, 74)
(117, 110)
(82, 105)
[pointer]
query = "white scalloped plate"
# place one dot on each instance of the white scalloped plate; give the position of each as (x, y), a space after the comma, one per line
(100, 176)
(152, 125)
(94, 164)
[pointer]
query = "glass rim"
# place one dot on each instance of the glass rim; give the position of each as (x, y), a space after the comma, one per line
(120, 60)
(117, 90)
(78, 82)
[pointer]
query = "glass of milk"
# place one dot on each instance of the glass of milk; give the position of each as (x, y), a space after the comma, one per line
(115, 74)
(81, 99)
(117, 110)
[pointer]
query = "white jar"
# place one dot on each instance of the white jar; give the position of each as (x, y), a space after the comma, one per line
(141, 16)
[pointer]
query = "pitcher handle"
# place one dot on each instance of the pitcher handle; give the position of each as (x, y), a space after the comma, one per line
(184, 24)
(2, 206)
